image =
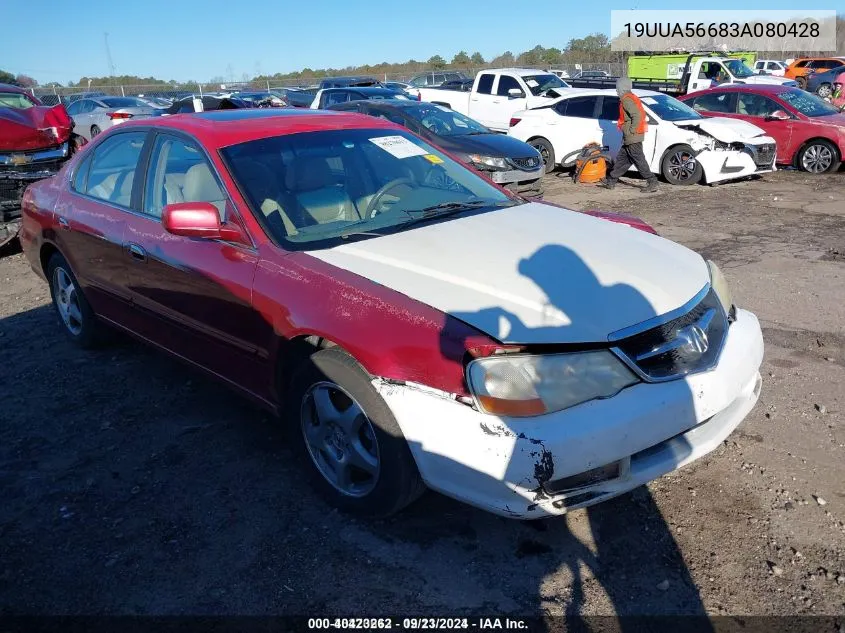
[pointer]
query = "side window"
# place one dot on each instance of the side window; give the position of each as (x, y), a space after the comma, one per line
(186, 106)
(113, 167)
(73, 108)
(439, 79)
(418, 82)
(772, 66)
(179, 172)
(755, 105)
(583, 107)
(830, 63)
(341, 96)
(80, 177)
(485, 84)
(609, 109)
(506, 82)
(802, 64)
(393, 117)
(724, 102)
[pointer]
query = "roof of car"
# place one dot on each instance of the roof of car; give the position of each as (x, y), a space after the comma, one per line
(11, 88)
(759, 88)
(367, 90)
(221, 128)
(519, 71)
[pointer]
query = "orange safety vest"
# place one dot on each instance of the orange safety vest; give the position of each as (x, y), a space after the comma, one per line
(643, 126)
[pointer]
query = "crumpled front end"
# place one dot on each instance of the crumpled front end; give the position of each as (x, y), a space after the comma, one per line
(17, 171)
(724, 155)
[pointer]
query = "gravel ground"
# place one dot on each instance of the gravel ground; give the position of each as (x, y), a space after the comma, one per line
(132, 485)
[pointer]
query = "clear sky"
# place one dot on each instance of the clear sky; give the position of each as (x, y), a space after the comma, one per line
(60, 40)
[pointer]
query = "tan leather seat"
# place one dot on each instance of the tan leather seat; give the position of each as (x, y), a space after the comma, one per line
(201, 186)
(311, 181)
(262, 183)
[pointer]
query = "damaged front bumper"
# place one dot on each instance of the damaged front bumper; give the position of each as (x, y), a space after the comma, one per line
(519, 181)
(547, 465)
(20, 169)
(728, 164)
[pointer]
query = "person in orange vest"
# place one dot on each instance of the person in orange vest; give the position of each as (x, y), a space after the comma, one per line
(633, 123)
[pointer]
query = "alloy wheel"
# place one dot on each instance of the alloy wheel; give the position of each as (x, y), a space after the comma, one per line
(67, 301)
(340, 439)
(544, 152)
(817, 159)
(824, 91)
(682, 165)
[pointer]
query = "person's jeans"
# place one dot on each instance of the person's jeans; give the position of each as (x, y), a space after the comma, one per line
(631, 155)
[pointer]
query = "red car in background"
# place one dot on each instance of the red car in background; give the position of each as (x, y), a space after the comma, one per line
(35, 141)
(810, 133)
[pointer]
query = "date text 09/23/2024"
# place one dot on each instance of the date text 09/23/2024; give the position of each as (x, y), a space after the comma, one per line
(417, 623)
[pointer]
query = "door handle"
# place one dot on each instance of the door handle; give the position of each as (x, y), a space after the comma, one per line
(64, 224)
(137, 253)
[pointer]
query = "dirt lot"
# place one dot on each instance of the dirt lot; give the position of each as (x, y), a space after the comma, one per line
(132, 485)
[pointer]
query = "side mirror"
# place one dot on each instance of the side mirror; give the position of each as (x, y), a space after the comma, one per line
(515, 93)
(200, 220)
(778, 115)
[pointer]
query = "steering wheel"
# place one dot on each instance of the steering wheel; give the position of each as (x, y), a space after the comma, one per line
(434, 126)
(376, 199)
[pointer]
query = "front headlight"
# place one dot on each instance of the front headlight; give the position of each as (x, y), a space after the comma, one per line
(488, 161)
(523, 385)
(720, 287)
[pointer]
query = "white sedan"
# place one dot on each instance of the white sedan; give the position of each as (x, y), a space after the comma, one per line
(683, 146)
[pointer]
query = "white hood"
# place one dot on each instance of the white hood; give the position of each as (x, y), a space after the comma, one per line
(532, 273)
(767, 79)
(728, 130)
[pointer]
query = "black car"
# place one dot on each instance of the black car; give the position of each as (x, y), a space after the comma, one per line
(332, 96)
(345, 82)
(464, 85)
(209, 102)
(300, 98)
(505, 160)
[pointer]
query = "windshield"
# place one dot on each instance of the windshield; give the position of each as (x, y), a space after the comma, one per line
(445, 122)
(123, 102)
(806, 103)
(669, 109)
(738, 68)
(15, 100)
(538, 84)
(314, 188)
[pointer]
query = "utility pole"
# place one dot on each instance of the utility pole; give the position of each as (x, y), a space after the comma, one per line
(108, 55)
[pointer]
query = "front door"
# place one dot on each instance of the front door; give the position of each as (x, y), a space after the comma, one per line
(758, 110)
(506, 105)
(194, 296)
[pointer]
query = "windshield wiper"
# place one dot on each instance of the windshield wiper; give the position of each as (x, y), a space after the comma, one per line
(445, 209)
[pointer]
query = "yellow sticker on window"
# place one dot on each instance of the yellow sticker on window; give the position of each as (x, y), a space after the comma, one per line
(431, 158)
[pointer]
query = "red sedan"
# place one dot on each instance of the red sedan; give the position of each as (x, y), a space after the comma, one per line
(810, 133)
(418, 325)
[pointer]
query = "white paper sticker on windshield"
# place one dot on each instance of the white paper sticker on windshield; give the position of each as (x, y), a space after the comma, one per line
(532, 83)
(398, 146)
(649, 100)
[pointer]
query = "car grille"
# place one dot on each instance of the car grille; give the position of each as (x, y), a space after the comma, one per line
(764, 155)
(532, 162)
(684, 345)
(14, 180)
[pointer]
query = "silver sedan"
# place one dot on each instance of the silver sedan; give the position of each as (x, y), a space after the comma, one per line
(96, 114)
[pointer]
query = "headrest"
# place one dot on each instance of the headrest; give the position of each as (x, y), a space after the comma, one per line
(200, 185)
(309, 174)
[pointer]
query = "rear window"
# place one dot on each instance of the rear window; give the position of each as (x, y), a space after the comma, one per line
(15, 100)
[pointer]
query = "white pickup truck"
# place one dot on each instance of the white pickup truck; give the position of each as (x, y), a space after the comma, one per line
(497, 94)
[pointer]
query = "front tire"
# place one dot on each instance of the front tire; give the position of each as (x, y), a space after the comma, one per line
(77, 318)
(818, 157)
(824, 91)
(547, 152)
(679, 166)
(802, 82)
(351, 444)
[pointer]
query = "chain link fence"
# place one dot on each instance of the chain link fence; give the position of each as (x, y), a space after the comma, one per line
(54, 95)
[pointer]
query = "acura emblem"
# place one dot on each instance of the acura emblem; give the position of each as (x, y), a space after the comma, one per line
(690, 341)
(20, 159)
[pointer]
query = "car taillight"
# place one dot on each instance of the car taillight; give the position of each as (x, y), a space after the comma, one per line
(514, 121)
(119, 115)
(419, 96)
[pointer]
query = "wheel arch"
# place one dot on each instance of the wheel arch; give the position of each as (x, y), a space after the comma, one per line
(291, 352)
(812, 139)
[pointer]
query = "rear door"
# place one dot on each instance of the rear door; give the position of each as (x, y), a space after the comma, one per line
(193, 296)
(93, 220)
(580, 125)
(483, 101)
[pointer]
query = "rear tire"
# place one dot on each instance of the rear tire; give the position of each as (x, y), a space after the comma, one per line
(349, 441)
(679, 166)
(547, 152)
(94, 131)
(818, 157)
(76, 317)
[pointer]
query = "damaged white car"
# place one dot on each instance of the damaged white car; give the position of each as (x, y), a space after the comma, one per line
(683, 146)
